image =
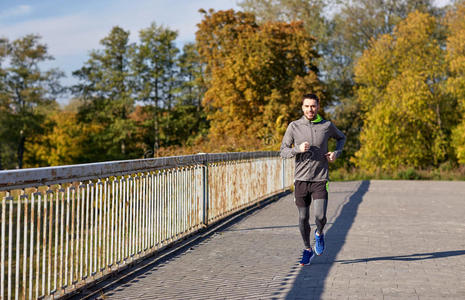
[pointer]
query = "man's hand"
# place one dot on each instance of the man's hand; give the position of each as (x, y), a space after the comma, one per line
(331, 156)
(305, 146)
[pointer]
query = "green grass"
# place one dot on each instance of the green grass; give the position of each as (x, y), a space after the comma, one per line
(445, 171)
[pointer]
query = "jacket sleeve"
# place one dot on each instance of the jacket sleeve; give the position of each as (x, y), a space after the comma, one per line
(287, 151)
(340, 137)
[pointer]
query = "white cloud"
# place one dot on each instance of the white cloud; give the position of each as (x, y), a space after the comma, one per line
(72, 36)
(81, 32)
(17, 11)
(441, 3)
(65, 35)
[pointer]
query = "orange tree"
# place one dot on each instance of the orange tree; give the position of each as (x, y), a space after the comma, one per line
(255, 76)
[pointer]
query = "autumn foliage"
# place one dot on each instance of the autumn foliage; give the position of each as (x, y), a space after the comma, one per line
(400, 97)
(390, 74)
(256, 75)
(409, 116)
(456, 82)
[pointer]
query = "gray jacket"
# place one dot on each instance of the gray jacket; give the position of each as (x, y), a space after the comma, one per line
(311, 165)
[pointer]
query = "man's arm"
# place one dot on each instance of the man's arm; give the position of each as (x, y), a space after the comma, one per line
(341, 139)
(287, 151)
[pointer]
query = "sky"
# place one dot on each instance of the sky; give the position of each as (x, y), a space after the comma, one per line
(72, 28)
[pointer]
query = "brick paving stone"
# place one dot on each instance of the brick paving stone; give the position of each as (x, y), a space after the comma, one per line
(385, 240)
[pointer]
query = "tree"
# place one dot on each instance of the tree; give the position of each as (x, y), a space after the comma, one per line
(5, 150)
(355, 25)
(343, 30)
(154, 65)
(352, 28)
(191, 73)
(456, 82)
(64, 141)
(256, 75)
(106, 89)
(26, 94)
(152, 73)
(189, 108)
(311, 13)
(402, 99)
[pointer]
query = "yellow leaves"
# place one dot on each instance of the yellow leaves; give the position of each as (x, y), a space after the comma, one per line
(390, 141)
(375, 65)
(456, 22)
(457, 63)
(400, 97)
(458, 141)
(456, 83)
(368, 96)
(412, 47)
(456, 48)
(415, 29)
(410, 93)
(63, 142)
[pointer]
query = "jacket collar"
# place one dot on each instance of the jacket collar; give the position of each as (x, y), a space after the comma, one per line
(318, 119)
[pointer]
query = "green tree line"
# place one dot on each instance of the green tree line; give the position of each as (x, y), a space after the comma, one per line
(390, 74)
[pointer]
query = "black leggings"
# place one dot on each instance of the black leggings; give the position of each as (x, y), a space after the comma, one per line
(319, 206)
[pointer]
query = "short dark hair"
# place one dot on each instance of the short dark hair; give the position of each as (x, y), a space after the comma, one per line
(310, 96)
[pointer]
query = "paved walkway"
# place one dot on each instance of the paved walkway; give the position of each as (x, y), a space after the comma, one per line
(385, 240)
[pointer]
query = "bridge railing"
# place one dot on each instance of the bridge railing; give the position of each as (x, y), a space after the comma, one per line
(64, 227)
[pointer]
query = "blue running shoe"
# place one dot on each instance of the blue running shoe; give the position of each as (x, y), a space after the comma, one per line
(307, 257)
(319, 243)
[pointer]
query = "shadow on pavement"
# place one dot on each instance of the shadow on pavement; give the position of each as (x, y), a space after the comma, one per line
(261, 228)
(309, 283)
(269, 227)
(409, 257)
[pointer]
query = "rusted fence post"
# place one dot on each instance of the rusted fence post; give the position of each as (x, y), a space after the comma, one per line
(205, 189)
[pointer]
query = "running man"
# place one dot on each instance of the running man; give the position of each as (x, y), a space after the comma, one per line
(309, 135)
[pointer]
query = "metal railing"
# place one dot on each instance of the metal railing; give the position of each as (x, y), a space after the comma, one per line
(64, 227)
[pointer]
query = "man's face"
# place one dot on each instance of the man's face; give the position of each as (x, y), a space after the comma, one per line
(310, 108)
